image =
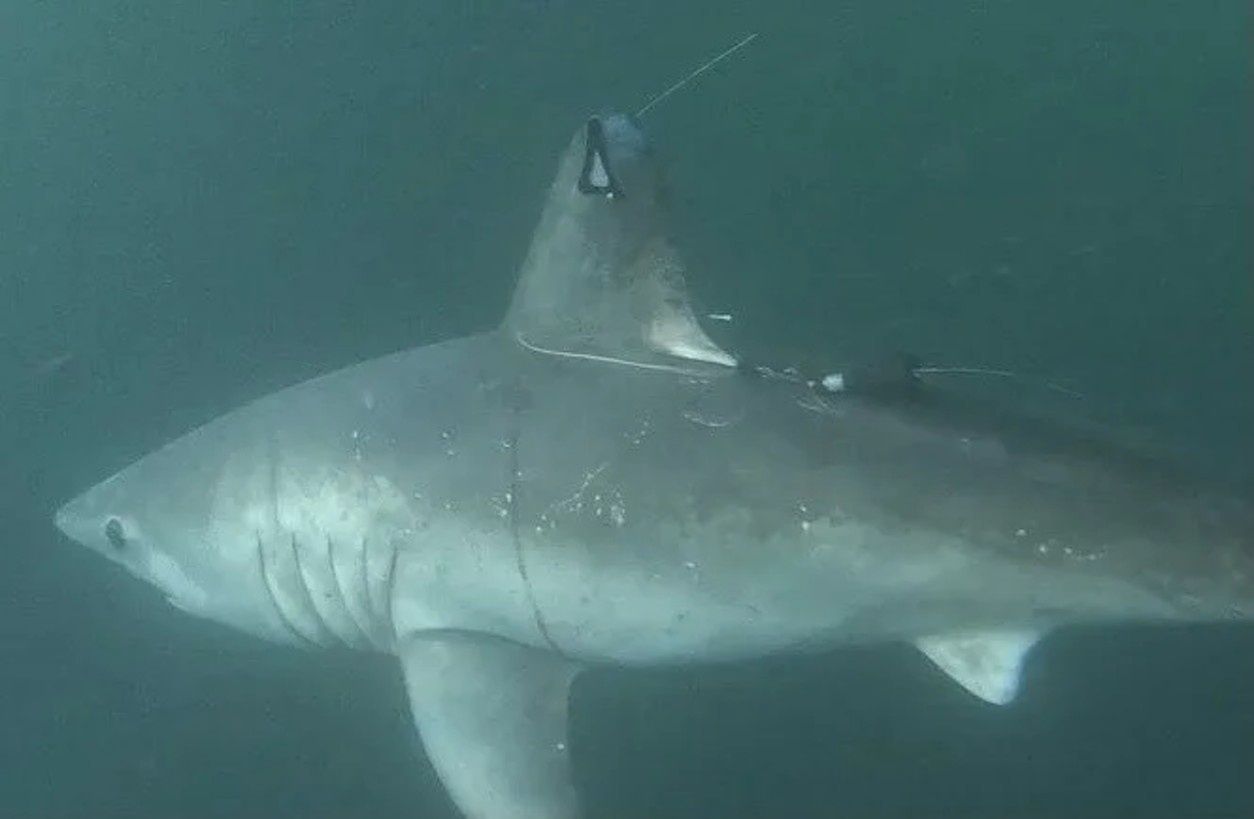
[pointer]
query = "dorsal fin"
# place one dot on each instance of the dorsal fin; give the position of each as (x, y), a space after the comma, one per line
(601, 279)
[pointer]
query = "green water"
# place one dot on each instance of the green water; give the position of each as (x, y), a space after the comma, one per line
(202, 202)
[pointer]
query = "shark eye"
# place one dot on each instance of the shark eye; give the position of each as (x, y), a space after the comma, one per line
(115, 534)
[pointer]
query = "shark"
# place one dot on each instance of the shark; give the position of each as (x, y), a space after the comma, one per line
(597, 482)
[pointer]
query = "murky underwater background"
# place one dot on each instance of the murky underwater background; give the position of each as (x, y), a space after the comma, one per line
(203, 202)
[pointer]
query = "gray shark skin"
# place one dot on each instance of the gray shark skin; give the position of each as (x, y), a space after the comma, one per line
(596, 482)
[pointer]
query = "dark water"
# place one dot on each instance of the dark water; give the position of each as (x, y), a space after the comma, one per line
(202, 202)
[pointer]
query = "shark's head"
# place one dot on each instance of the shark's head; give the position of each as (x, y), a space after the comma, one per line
(155, 519)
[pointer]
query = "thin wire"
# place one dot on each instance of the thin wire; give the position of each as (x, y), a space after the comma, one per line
(602, 359)
(999, 373)
(710, 64)
(965, 371)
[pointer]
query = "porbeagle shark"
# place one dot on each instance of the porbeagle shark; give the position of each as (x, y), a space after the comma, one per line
(595, 481)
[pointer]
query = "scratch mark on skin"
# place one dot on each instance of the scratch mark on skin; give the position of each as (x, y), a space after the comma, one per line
(815, 403)
(577, 495)
(514, 486)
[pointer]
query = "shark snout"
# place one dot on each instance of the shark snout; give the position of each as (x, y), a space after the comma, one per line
(88, 519)
(72, 520)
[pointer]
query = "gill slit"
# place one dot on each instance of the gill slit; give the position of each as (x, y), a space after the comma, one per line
(390, 584)
(380, 607)
(272, 450)
(344, 599)
(274, 598)
(514, 484)
(372, 605)
(328, 634)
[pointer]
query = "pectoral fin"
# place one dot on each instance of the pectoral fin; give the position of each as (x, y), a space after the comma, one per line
(492, 716)
(986, 663)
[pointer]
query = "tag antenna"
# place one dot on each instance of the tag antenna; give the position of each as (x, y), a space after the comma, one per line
(704, 68)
